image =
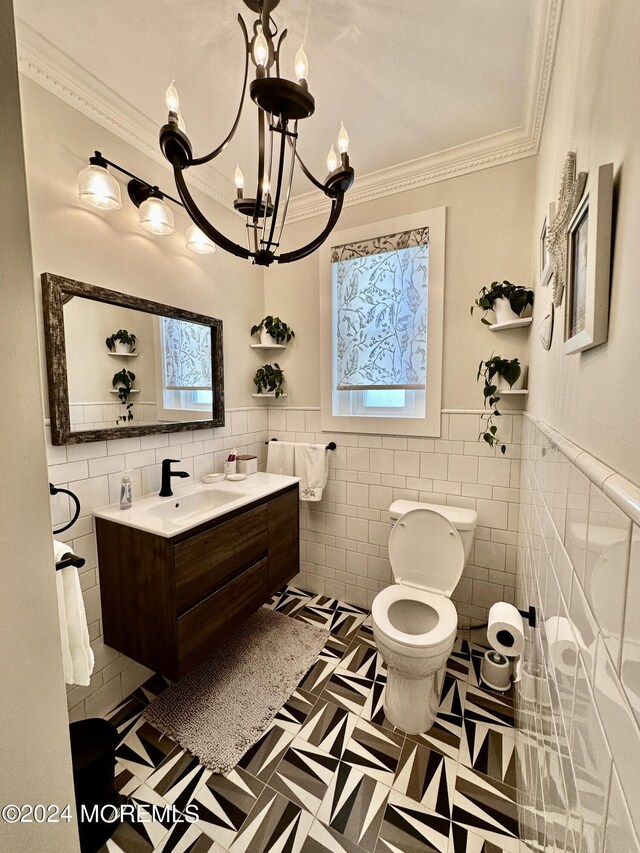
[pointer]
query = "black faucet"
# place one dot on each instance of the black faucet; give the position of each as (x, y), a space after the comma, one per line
(167, 474)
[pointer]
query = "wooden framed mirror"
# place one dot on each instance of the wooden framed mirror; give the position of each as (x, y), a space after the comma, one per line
(121, 366)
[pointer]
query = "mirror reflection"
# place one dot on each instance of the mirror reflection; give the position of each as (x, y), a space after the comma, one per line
(129, 368)
(119, 365)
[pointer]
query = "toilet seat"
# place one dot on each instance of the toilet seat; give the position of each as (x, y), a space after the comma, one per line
(426, 551)
(439, 635)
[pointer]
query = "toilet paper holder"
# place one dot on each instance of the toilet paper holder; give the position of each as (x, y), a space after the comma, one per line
(530, 614)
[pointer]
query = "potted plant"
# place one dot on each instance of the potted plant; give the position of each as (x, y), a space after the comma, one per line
(509, 301)
(123, 382)
(273, 329)
(268, 380)
(121, 342)
(508, 371)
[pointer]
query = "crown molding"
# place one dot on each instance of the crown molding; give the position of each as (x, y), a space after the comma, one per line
(52, 69)
(42, 62)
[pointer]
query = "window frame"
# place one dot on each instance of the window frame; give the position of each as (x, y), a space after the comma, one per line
(429, 425)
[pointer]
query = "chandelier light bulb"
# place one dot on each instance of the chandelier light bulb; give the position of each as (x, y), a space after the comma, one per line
(302, 64)
(332, 160)
(266, 186)
(98, 188)
(172, 99)
(238, 177)
(260, 49)
(198, 242)
(343, 140)
(155, 217)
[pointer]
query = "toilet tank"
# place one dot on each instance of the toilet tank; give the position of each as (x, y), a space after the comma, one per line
(464, 520)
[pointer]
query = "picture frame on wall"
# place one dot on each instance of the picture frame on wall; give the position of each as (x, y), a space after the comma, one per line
(588, 266)
(546, 267)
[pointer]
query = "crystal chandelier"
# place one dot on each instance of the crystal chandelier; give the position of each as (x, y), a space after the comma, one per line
(281, 104)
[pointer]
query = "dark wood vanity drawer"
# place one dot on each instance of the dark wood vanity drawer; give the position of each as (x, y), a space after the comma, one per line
(210, 559)
(201, 629)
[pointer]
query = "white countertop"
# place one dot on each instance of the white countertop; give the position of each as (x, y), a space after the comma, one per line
(193, 503)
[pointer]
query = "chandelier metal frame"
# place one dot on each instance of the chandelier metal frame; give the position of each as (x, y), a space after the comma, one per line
(281, 105)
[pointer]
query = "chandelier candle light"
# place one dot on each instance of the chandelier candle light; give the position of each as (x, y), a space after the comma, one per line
(281, 104)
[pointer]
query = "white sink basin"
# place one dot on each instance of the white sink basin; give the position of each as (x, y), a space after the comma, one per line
(193, 504)
(182, 508)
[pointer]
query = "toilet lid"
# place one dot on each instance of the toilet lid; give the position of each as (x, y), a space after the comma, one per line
(426, 551)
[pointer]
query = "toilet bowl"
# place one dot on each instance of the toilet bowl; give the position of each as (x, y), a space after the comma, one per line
(414, 620)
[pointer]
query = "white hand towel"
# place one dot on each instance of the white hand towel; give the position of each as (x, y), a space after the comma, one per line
(77, 655)
(280, 458)
(312, 466)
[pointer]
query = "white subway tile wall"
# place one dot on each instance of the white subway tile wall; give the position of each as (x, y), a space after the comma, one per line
(578, 738)
(93, 472)
(344, 537)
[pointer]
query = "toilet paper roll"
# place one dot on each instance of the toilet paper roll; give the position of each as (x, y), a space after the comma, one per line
(505, 631)
(563, 644)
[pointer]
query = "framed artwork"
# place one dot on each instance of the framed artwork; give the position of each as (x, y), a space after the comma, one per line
(571, 190)
(545, 265)
(588, 266)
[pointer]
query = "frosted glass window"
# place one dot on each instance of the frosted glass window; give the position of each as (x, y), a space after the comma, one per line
(186, 355)
(380, 299)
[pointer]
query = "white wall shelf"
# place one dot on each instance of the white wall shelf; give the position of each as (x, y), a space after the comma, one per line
(504, 393)
(512, 324)
(115, 391)
(124, 354)
(268, 346)
(270, 394)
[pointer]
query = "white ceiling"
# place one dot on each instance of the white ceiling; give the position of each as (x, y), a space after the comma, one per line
(409, 78)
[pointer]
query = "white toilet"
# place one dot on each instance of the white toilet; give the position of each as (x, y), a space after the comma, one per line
(414, 621)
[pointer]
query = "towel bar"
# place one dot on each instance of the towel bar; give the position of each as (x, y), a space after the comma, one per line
(331, 446)
(70, 560)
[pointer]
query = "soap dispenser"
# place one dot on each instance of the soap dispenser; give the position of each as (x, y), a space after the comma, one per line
(126, 496)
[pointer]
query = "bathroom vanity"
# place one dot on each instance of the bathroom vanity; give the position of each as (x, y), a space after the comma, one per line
(178, 573)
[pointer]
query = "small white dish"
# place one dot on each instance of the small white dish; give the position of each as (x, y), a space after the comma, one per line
(212, 478)
(235, 477)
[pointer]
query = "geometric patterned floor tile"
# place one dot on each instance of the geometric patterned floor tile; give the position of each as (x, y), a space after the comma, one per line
(411, 828)
(291, 717)
(493, 709)
(264, 756)
(329, 727)
(275, 824)
(489, 751)
(324, 839)
(354, 806)
(144, 749)
(304, 774)
(188, 838)
(485, 810)
(225, 802)
(426, 777)
(178, 778)
(332, 774)
(375, 751)
(347, 690)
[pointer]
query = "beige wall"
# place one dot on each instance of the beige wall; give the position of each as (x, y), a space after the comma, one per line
(594, 110)
(489, 226)
(110, 250)
(36, 766)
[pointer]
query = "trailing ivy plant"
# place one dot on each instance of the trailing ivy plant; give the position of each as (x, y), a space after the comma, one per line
(124, 337)
(519, 298)
(269, 377)
(509, 369)
(274, 327)
(123, 381)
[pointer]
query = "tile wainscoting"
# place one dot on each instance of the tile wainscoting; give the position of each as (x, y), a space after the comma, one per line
(578, 702)
(93, 472)
(344, 537)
